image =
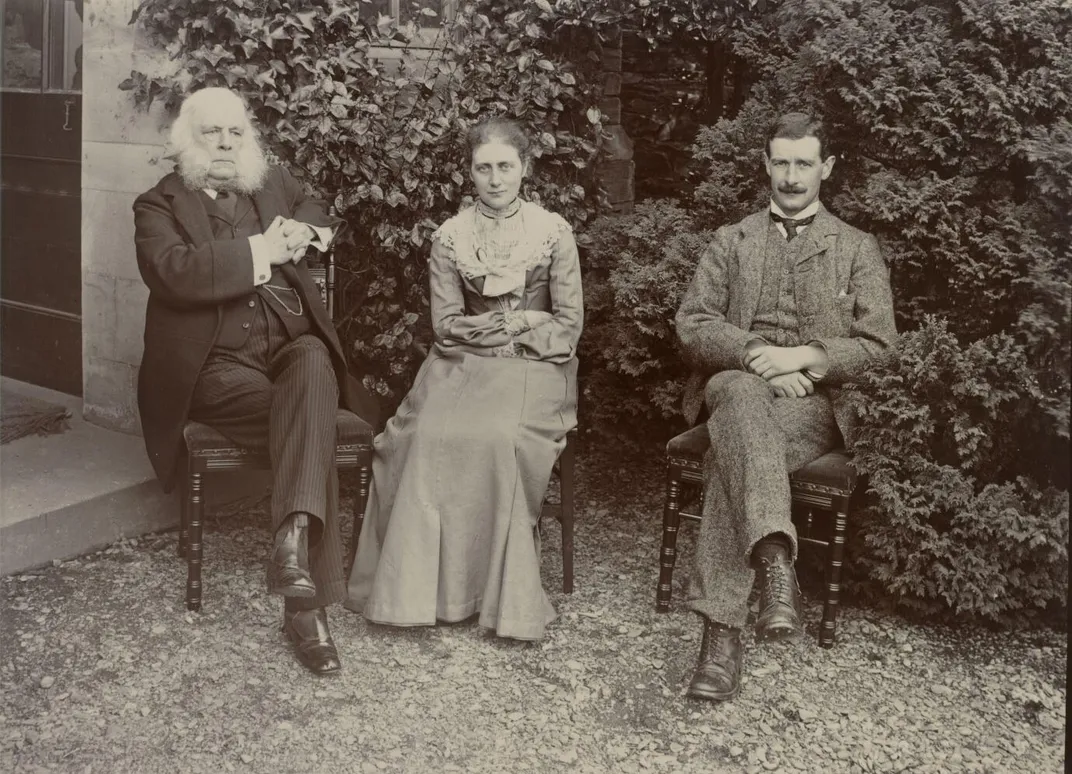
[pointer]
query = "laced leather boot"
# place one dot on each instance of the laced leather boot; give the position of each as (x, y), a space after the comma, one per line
(718, 670)
(288, 565)
(780, 616)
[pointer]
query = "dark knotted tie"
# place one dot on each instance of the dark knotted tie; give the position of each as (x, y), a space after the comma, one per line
(790, 224)
(227, 201)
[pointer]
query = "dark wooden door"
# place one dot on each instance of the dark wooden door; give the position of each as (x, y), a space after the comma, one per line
(40, 194)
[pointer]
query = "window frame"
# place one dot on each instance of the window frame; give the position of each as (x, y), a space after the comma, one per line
(46, 53)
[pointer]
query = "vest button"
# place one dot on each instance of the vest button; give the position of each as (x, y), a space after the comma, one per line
(252, 303)
(245, 325)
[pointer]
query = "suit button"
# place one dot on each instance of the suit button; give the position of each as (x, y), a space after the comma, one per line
(252, 303)
(245, 325)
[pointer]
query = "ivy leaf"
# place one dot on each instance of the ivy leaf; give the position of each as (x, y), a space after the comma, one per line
(545, 6)
(523, 62)
(567, 78)
(306, 19)
(594, 115)
(545, 64)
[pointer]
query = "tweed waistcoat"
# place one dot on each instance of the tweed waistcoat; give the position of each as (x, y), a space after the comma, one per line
(776, 318)
(239, 314)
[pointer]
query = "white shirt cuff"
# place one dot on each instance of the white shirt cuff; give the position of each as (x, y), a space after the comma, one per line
(323, 236)
(262, 263)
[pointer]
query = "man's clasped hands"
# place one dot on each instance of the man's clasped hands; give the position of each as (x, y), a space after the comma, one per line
(784, 367)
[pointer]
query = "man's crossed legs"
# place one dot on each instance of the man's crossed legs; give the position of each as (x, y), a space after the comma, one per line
(747, 538)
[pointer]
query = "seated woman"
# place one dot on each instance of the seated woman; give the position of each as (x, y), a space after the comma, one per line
(460, 471)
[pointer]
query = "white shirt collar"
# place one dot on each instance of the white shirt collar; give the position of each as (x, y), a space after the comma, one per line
(807, 212)
(213, 193)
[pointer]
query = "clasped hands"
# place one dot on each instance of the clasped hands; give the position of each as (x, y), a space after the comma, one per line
(287, 240)
(783, 368)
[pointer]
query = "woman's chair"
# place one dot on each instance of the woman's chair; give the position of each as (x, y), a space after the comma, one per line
(825, 485)
(208, 451)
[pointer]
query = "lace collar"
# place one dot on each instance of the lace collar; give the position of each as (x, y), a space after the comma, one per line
(536, 230)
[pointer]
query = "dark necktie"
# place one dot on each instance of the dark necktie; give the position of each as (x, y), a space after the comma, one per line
(790, 224)
(226, 201)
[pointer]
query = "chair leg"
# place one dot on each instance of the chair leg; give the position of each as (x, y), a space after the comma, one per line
(184, 517)
(827, 629)
(193, 546)
(364, 478)
(668, 554)
(566, 496)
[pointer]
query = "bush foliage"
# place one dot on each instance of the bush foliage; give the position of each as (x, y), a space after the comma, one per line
(373, 115)
(952, 122)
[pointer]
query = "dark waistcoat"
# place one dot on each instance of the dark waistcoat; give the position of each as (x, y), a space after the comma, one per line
(279, 300)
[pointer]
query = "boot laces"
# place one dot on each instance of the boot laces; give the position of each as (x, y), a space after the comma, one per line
(776, 585)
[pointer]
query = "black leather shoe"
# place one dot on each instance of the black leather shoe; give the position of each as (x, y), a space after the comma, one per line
(288, 566)
(308, 631)
(718, 670)
(780, 617)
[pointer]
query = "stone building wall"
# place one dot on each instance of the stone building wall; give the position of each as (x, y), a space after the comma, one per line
(121, 157)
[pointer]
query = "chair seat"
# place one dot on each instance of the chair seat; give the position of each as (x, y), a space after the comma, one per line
(202, 439)
(833, 470)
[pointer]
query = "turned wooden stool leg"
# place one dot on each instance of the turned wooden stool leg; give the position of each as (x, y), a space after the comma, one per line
(364, 479)
(828, 627)
(668, 553)
(566, 498)
(193, 546)
(184, 517)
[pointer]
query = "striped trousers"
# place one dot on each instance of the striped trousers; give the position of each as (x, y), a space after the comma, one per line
(280, 394)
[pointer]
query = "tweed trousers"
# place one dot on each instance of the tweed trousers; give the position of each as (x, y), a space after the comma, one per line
(757, 440)
(280, 394)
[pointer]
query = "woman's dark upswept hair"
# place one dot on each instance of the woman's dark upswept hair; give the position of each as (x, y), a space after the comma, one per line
(498, 129)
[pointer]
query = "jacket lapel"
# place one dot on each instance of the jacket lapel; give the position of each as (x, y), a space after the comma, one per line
(188, 210)
(750, 257)
(269, 204)
(817, 237)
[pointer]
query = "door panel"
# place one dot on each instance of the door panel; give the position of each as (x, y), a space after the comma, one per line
(40, 194)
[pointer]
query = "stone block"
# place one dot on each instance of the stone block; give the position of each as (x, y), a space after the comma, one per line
(616, 177)
(122, 167)
(617, 144)
(611, 108)
(130, 298)
(109, 394)
(98, 315)
(108, 234)
(612, 60)
(612, 84)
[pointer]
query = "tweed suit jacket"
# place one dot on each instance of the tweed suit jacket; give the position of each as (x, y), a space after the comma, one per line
(842, 291)
(191, 277)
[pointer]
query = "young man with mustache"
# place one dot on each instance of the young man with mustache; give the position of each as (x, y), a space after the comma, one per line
(785, 307)
(237, 337)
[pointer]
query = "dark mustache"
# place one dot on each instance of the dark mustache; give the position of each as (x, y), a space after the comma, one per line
(790, 189)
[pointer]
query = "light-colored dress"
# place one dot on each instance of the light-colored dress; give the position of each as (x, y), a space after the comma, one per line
(460, 471)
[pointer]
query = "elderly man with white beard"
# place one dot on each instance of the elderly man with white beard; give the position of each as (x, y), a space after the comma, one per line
(238, 338)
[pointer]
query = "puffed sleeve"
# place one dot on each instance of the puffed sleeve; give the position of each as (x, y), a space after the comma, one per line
(556, 340)
(453, 328)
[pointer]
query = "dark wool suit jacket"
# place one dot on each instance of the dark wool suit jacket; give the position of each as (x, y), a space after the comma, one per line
(843, 298)
(191, 276)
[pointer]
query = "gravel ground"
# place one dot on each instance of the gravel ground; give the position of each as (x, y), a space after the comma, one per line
(103, 670)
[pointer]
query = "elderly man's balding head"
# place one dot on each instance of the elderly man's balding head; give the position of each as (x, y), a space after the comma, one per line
(215, 144)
